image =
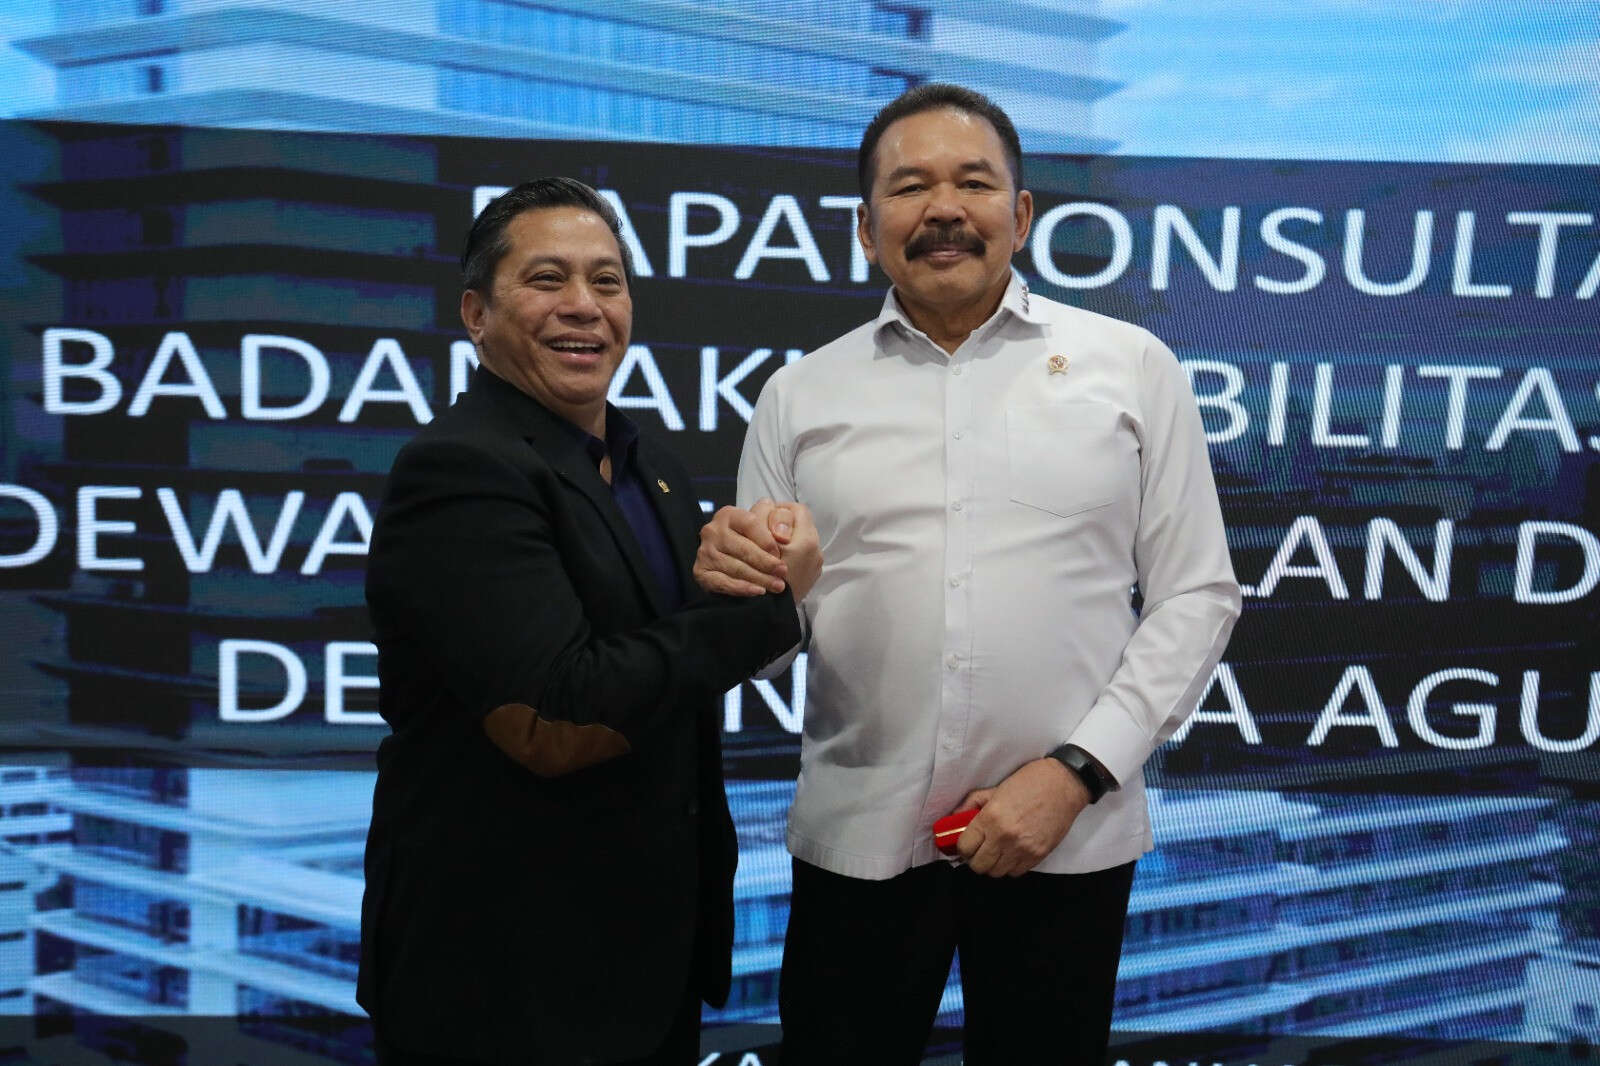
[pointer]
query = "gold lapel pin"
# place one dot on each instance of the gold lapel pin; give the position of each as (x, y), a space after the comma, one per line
(663, 485)
(1057, 364)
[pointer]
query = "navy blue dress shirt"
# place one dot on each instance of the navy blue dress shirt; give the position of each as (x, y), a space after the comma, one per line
(633, 498)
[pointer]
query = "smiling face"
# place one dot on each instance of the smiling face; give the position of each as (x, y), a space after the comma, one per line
(558, 316)
(944, 217)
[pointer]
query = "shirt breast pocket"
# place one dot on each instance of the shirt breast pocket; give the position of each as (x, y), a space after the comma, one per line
(1068, 458)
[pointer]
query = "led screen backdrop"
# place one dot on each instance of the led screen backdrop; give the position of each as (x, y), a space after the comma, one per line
(1376, 841)
(1378, 823)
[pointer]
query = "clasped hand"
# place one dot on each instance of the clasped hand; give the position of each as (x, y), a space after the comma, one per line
(747, 553)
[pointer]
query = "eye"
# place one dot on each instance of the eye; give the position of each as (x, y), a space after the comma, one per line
(910, 187)
(547, 279)
(977, 183)
(609, 282)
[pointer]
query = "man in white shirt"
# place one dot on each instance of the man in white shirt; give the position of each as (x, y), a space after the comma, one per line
(991, 474)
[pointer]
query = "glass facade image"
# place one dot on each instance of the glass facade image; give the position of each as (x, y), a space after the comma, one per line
(1302, 914)
(219, 900)
(28, 820)
(811, 72)
(1305, 915)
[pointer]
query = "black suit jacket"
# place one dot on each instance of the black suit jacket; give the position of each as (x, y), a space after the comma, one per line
(551, 856)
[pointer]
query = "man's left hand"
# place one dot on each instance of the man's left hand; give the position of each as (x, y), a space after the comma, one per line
(1021, 819)
(740, 551)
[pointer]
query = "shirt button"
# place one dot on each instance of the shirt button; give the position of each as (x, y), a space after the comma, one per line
(956, 371)
(953, 661)
(955, 581)
(957, 434)
(956, 505)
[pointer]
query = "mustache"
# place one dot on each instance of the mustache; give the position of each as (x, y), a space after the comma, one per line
(944, 237)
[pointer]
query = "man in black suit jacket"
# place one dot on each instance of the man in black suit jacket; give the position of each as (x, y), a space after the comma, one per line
(550, 862)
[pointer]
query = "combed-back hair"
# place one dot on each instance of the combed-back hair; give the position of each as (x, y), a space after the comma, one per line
(487, 242)
(932, 97)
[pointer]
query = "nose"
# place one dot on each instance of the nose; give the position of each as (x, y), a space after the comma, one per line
(944, 205)
(578, 302)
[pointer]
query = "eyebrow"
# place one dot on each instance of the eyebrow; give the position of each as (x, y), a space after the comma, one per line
(971, 166)
(543, 259)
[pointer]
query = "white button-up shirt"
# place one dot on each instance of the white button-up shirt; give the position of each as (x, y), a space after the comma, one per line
(984, 517)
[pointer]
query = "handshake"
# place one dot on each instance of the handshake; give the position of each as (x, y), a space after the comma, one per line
(747, 553)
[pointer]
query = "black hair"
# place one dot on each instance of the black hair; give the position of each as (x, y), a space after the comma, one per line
(932, 97)
(487, 243)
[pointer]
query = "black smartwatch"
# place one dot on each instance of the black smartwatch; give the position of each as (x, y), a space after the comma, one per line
(1095, 777)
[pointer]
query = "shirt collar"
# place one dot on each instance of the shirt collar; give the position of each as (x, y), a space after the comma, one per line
(1016, 302)
(622, 437)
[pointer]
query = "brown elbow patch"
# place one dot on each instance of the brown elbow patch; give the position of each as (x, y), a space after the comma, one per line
(551, 747)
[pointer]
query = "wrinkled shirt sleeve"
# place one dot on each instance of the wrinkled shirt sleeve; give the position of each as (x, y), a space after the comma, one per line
(1191, 598)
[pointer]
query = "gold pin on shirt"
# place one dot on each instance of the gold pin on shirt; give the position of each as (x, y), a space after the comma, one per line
(663, 485)
(1057, 364)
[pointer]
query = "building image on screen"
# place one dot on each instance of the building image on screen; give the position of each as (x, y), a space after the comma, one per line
(807, 73)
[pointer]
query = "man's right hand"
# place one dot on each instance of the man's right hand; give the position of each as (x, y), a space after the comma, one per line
(802, 548)
(747, 553)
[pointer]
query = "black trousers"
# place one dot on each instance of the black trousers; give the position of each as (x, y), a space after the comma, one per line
(864, 964)
(680, 1048)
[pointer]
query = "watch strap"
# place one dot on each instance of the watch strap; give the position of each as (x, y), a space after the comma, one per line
(1087, 769)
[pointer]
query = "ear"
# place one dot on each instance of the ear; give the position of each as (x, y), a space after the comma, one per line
(473, 309)
(1024, 220)
(864, 232)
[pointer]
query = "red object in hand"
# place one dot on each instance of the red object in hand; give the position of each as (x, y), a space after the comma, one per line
(947, 830)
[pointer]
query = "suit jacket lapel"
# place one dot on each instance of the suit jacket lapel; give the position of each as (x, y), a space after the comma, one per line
(565, 454)
(576, 468)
